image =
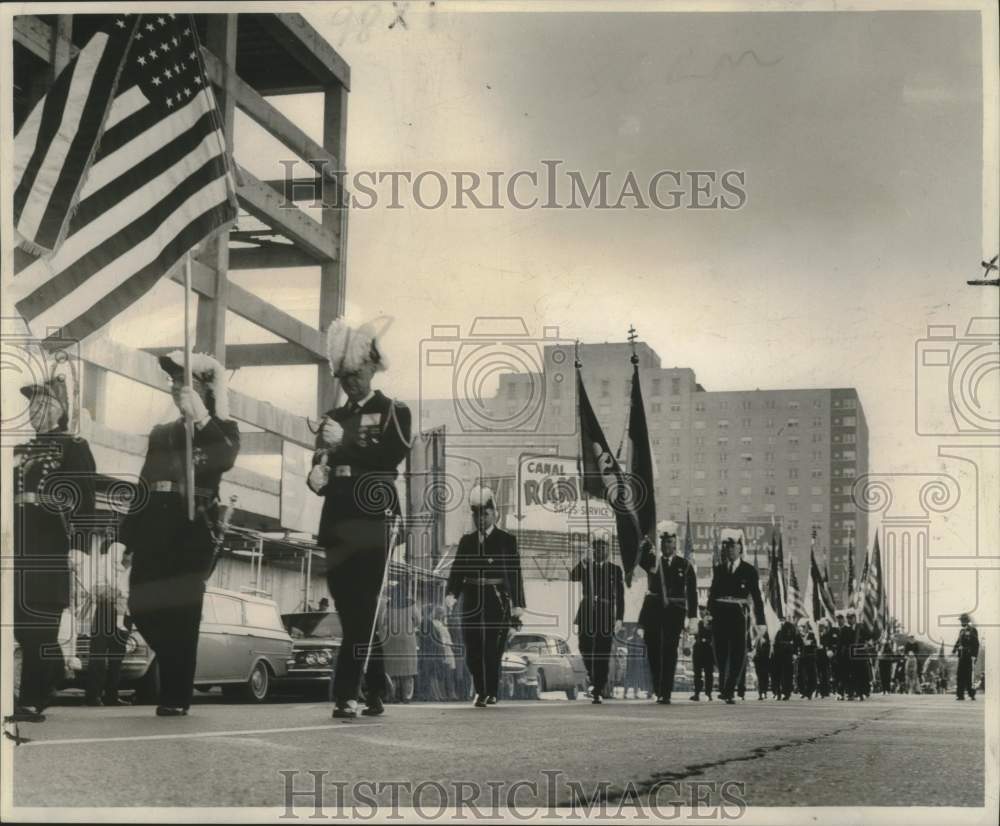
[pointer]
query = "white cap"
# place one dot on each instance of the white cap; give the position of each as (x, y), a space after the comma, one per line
(349, 348)
(667, 526)
(481, 497)
(208, 370)
(601, 535)
(734, 534)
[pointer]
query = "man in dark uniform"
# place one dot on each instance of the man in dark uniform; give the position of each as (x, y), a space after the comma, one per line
(53, 488)
(734, 592)
(172, 555)
(358, 451)
(703, 657)
(838, 662)
(823, 658)
(854, 658)
(808, 655)
(967, 650)
(762, 664)
(886, 664)
(486, 574)
(671, 603)
(601, 611)
(786, 645)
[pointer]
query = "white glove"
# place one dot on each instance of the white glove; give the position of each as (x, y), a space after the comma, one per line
(618, 626)
(331, 433)
(449, 601)
(762, 629)
(576, 630)
(687, 624)
(191, 406)
(319, 476)
(516, 611)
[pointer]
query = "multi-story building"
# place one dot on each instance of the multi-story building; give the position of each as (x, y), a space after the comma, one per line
(729, 455)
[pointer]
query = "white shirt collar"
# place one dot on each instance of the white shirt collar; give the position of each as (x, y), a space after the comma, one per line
(734, 565)
(364, 401)
(487, 532)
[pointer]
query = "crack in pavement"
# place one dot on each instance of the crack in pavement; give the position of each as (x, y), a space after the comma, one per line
(639, 788)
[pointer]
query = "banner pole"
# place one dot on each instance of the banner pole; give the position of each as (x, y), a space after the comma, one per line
(188, 382)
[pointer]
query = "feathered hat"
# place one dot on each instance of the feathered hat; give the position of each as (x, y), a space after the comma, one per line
(601, 535)
(482, 497)
(60, 384)
(666, 526)
(206, 369)
(351, 348)
(732, 535)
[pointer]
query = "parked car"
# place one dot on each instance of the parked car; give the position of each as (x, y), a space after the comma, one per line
(316, 638)
(535, 663)
(242, 647)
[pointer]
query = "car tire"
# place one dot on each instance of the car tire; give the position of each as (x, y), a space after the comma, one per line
(539, 687)
(258, 687)
(572, 693)
(147, 691)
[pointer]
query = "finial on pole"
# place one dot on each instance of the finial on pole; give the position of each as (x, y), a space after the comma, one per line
(576, 355)
(633, 336)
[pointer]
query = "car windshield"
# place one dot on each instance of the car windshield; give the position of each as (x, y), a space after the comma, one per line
(529, 645)
(313, 624)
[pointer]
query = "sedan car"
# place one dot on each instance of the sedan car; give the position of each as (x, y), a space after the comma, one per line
(242, 647)
(535, 663)
(316, 638)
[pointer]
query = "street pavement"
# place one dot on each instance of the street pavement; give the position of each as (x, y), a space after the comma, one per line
(897, 750)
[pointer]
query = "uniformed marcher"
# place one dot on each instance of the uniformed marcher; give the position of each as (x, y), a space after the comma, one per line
(824, 658)
(671, 603)
(787, 643)
(703, 657)
(359, 447)
(486, 575)
(734, 593)
(807, 665)
(601, 611)
(886, 664)
(838, 663)
(854, 657)
(967, 649)
(53, 486)
(762, 664)
(171, 555)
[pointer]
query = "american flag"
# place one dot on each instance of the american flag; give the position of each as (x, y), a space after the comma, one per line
(159, 184)
(874, 609)
(796, 605)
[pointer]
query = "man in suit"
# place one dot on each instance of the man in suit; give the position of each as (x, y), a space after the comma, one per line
(808, 656)
(967, 649)
(734, 593)
(787, 644)
(703, 657)
(823, 658)
(172, 555)
(601, 611)
(358, 451)
(854, 658)
(762, 664)
(486, 575)
(671, 603)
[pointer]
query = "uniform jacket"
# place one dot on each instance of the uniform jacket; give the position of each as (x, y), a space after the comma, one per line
(157, 530)
(703, 637)
(853, 639)
(787, 641)
(363, 467)
(679, 576)
(808, 646)
(496, 558)
(744, 583)
(968, 642)
(762, 653)
(603, 599)
(60, 466)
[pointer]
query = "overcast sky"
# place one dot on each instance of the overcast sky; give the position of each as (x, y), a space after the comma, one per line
(860, 135)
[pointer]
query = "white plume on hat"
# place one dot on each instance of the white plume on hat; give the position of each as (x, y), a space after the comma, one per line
(481, 497)
(350, 348)
(666, 526)
(601, 535)
(734, 534)
(208, 370)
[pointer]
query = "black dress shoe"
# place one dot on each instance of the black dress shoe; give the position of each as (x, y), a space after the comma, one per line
(25, 715)
(696, 698)
(170, 711)
(118, 701)
(491, 700)
(480, 701)
(344, 711)
(663, 701)
(730, 701)
(374, 708)
(93, 703)
(597, 700)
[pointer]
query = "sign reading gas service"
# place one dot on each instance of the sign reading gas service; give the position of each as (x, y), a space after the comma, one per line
(550, 497)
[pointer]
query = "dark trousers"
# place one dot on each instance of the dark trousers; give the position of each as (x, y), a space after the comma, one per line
(703, 662)
(167, 613)
(485, 623)
(885, 675)
(662, 627)
(807, 676)
(595, 648)
(36, 629)
(823, 673)
(763, 669)
(784, 663)
(107, 649)
(963, 678)
(355, 580)
(729, 639)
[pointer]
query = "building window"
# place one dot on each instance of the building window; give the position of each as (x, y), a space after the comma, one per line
(849, 472)
(723, 423)
(675, 475)
(656, 442)
(816, 507)
(723, 458)
(723, 492)
(675, 491)
(699, 491)
(746, 440)
(818, 403)
(793, 442)
(605, 388)
(793, 507)
(769, 473)
(746, 491)
(849, 455)
(675, 441)
(699, 458)
(850, 421)
(747, 405)
(656, 386)
(511, 391)
(768, 456)
(793, 405)
(849, 438)
(723, 405)
(817, 422)
(675, 408)
(723, 441)
(769, 490)
(817, 438)
(699, 425)
(675, 425)
(675, 387)
(769, 508)
(793, 473)
(792, 490)
(723, 473)
(850, 404)
(746, 474)
(744, 509)
(699, 407)
(723, 508)
(699, 510)
(816, 473)
(675, 457)
(699, 474)
(655, 407)
(817, 490)
(769, 404)
(699, 441)
(793, 457)
(746, 424)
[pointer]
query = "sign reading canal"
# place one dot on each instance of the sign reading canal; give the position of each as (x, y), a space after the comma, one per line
(549, 497)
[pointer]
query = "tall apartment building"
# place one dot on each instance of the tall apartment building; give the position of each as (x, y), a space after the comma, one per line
(726, 455)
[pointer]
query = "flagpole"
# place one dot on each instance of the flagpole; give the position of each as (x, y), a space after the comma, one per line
(579, 456)
(188, 382)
